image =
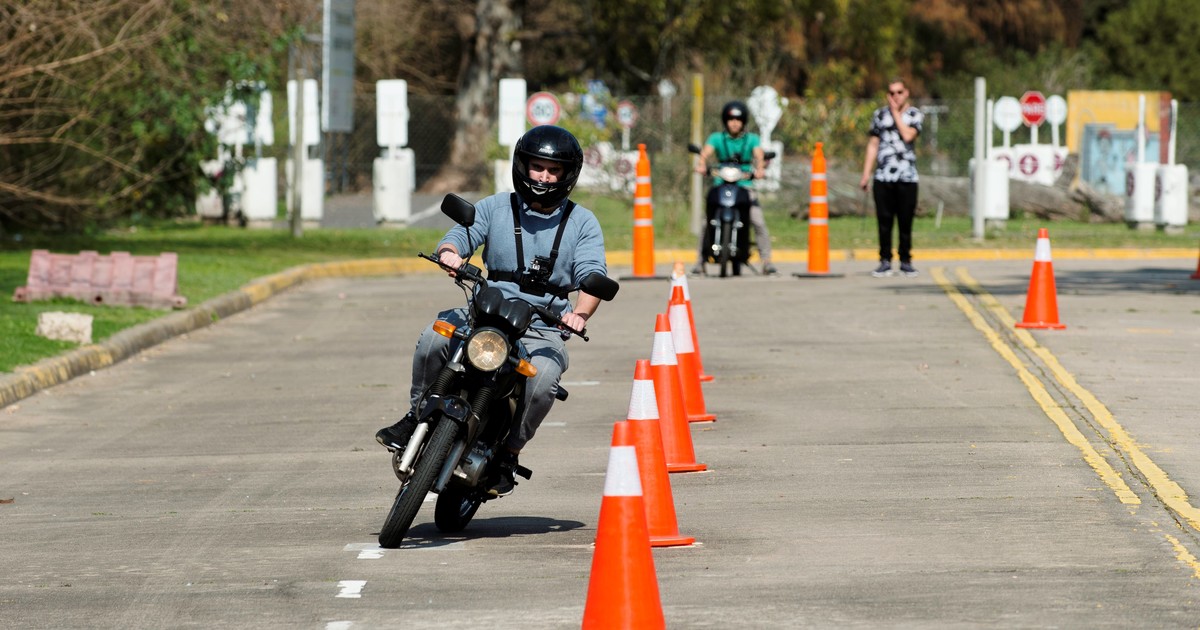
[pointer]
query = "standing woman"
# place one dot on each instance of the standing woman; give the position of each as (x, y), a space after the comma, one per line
(892, 158)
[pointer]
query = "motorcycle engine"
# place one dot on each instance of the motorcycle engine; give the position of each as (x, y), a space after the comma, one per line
(470, 469)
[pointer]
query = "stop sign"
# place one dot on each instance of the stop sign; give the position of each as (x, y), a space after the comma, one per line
(1033, 108)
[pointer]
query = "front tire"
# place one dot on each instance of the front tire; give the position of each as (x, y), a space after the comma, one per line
(412, 493)
(726, 238)
(455, 508)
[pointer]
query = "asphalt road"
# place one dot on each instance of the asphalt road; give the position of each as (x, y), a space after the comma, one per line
(879, 459)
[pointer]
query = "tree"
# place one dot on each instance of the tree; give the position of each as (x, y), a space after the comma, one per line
(1149, 41)
(102, 106)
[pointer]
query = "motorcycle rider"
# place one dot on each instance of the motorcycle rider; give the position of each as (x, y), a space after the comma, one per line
(735, 144)
(537, 244)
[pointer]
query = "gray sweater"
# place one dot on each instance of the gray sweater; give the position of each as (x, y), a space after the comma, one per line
(581, 252)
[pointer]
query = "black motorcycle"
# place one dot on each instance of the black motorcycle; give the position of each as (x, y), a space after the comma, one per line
(464, 417)
(727, 228)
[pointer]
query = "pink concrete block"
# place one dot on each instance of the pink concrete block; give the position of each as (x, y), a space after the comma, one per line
(118, 279)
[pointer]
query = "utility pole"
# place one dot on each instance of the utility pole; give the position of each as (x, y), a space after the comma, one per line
(299, 149)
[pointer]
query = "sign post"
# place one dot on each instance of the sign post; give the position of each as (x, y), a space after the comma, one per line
(512, 115)
(627, 116)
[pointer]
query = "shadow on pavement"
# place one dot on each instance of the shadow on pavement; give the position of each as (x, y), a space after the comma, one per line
(427, 536)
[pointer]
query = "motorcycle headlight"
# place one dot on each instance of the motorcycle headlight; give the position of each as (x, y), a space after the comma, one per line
(487, 350)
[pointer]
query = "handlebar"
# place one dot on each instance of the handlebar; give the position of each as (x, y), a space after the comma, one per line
(714, 171)
(549, 316)
(467, 271)
(474, 274)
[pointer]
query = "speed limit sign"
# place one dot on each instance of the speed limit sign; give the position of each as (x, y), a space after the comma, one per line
(626, 114)
(542, 109)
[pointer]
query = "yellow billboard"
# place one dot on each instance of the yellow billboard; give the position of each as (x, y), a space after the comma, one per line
(1102, 130)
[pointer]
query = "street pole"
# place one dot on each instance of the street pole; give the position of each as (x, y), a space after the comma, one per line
(979, 189)
(697, 223)
(299, 150)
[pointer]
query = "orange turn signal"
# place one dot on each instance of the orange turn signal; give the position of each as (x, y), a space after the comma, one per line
(526, 368)
(445, 329)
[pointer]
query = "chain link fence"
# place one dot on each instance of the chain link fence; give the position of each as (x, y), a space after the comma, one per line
(664, 125)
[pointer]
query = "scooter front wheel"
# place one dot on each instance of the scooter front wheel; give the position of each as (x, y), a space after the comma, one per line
(726, 241)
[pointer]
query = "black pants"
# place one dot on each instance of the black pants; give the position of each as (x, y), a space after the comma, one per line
(895, 201)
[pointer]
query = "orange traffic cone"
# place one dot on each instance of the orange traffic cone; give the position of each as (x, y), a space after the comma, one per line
(818, 220)
(643, 221)
(668, 393)
(685, 357)
(1041, 302)
(623, 588)
(679, 278)
(652, 464)
(1196, 276)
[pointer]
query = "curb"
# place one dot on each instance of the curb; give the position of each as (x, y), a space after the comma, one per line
(28, 380)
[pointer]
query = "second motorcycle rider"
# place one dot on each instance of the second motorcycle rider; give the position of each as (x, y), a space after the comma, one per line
(736, 144)
(537, 243)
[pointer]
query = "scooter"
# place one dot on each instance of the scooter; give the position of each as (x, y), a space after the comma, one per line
(727, 228)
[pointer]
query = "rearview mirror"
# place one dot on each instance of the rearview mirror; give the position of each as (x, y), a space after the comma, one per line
(693, 148)
(459, 209)
(600, 286)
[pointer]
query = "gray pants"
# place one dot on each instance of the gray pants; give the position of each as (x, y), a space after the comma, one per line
(548, 353)
(762, 238)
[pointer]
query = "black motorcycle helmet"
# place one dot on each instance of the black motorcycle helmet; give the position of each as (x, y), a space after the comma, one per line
(549, 143)
(735, 110)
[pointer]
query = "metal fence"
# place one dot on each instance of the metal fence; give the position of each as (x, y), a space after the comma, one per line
(664, 126)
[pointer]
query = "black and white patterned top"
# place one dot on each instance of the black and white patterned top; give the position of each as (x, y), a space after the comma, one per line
(896, 160)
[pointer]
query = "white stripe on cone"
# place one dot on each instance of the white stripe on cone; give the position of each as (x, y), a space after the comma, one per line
(622, 479)
(681, 329)
(642, 403)
(1041, 253)
(663, 352)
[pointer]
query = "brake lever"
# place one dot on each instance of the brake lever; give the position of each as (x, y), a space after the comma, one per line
(567, 331)
(467, 271)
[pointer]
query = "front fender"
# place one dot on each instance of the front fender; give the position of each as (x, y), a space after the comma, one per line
(452, 407)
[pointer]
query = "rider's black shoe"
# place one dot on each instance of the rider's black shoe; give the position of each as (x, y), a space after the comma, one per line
(396, 437)
(506, 466)
(697, 271)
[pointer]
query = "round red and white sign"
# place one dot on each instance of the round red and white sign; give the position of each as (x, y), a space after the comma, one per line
(1028, 165)
(626, 114)
(1033, 108)
(542, 109)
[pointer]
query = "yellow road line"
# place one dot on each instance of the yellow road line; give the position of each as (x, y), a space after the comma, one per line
(1184, 555)
(1171, 493)
(1037, 390)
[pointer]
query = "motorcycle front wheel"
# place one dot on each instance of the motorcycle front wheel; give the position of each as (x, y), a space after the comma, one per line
(726, 242)
(455, 508)
(412, 493)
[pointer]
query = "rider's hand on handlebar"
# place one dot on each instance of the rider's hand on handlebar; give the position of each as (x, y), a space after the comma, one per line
(574, 320)
(450, 259)
(702, 168)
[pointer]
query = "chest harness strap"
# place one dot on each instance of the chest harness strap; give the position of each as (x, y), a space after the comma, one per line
(519, 276)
